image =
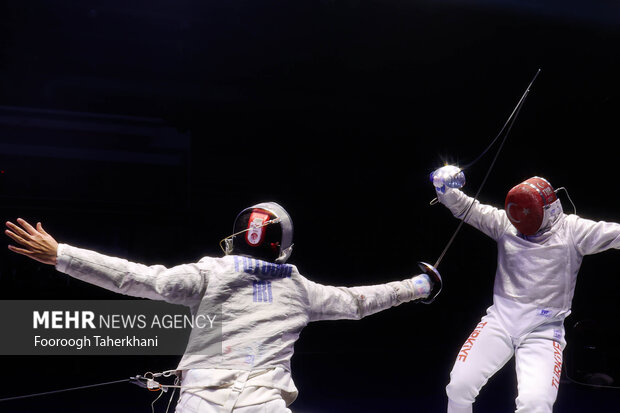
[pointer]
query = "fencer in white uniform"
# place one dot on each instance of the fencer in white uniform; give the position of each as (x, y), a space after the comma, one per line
(264, 302)
(540, 250)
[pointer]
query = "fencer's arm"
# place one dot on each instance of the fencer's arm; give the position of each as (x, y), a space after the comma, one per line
(592, 237)
(183, 284)
(353, 303)
(486, 218)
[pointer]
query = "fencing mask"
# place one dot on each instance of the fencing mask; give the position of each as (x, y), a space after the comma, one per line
(532, 206)
(263, 231)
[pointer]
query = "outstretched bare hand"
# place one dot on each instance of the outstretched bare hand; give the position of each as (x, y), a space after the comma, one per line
(35, 242)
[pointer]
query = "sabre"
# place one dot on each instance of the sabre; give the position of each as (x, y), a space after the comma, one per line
(507, 127)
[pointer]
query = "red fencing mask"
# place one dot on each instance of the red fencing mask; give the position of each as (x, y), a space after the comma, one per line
(526, 204)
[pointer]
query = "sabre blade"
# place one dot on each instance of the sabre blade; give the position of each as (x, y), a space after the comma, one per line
(508, 124)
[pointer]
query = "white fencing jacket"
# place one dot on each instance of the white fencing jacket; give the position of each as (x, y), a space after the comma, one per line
(536, 275)
(264, 308)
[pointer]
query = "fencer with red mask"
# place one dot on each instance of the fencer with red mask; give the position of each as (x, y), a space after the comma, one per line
(540, 250)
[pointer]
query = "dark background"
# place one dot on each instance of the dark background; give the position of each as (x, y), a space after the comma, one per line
(141, 128)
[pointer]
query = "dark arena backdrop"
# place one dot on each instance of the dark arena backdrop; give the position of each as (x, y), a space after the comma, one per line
(141, 128)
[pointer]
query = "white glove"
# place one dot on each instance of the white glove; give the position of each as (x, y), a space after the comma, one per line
(447, 176)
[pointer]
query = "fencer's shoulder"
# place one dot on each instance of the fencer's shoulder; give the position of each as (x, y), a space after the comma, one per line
(293, 268)
(298, 277)
(215, 263)
(207, 260)
(575, 220)
(573, 224)
(582, 222)
(569, 219)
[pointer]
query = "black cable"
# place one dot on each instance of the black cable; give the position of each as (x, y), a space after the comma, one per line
(514, 113)
(88, 386)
